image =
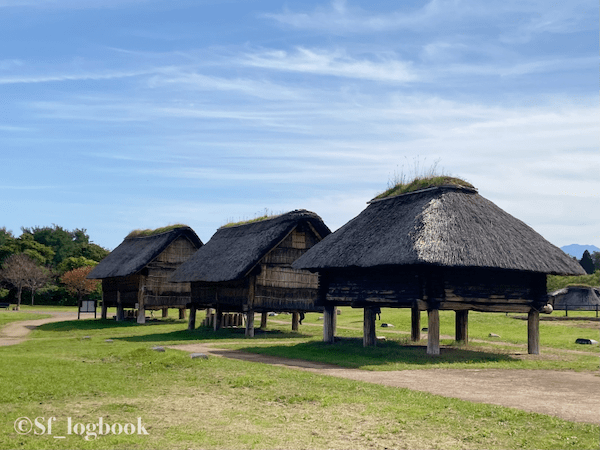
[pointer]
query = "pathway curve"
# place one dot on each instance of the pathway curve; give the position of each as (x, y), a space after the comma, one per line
(16, 332)
(573, 396)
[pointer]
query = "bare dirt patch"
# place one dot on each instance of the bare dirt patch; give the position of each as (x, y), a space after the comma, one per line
(573, 396)
(16, 332)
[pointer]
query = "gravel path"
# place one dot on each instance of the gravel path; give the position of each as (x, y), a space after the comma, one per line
(16, 332)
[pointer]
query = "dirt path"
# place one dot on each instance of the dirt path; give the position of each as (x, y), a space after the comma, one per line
(16, 332)
(573, 396)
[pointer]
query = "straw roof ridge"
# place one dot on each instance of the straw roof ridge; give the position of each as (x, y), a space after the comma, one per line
(419, 184)
(135, 252)
(232, 252)
(440, 226)
(139, 233)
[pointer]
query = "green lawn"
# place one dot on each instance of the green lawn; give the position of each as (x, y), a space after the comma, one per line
(68, 369)
(7, 316)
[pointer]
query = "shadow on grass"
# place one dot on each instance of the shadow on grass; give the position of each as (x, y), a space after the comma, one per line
(349, 352)
(207, 334)
(71, 325)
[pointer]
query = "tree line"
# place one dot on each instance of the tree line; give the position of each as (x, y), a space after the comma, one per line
(51, 263)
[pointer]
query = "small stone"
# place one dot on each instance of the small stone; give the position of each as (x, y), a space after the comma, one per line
(387, 325)
(494, 335)
(199, 356)
(320, 318)
(272, 314)
(158, 349)
(381, 338)
(586, 341)
(108, 340)
(86, 337)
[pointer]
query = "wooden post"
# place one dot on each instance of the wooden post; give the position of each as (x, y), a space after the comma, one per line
(433, 332)
(104, 312)
(141, 317)
(462, 326)
(295, 320)
(533, 332)
(250, 323)
(120, 315)
(369, 335)
(329, 324)
(415, 319)
(263, 320)
(192, 320)
(165, 312)
(217, 319)
(182, 313)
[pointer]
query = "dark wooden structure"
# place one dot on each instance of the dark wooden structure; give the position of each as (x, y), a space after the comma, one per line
(135, 274)
(438, 248)
(576, 298)
(247, 268)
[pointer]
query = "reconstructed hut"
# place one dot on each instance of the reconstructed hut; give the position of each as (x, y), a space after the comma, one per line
(573, 298)
(135, 274)
(247, 268)
(437, 248)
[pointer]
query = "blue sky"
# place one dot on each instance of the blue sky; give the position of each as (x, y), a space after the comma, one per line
(125, 114)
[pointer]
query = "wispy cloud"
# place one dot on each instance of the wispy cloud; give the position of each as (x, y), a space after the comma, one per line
(333, 63)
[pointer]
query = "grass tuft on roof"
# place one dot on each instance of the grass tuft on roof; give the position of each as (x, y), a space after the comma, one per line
(419, 183)
(148, 232)
(246, 222)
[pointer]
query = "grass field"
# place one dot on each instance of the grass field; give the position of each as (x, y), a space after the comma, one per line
(69, 370)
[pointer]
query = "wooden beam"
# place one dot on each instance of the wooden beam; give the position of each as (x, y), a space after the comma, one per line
(415, 322)
(250, 312)
(250, 323)
(462, 326)
(369, 335)
(192, 320)
(104, 308)
(533, 332)
(263, 320)
(329, 313)
(165, 312)
(182, 313)
(141, 316)
(433, 332)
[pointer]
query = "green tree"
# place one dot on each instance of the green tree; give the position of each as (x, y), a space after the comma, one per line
(587, 263)
(596, 259)
(73, 262)
(25, 243)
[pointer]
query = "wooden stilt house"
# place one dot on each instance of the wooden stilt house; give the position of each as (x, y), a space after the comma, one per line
(246, 268)
(439, 247)
(135, 274)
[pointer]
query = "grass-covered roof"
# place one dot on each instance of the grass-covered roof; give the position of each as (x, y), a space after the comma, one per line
(420, 183)
(136, 251)
(150, 232)
(234, 251)
(450, 226)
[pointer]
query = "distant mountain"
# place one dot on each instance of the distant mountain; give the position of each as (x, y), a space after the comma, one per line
(577, 250)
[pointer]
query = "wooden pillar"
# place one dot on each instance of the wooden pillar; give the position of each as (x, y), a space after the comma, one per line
(462, 326)
(141, 316)
(433, 332)
(120, 315)
(533, 332)
(182, 313)
(369, 335)
(415, 325)
(329, 324)
(165, 312)
(250, 305)
(250, 323)
(192, 320)
(295, 320)
(263, 320)
(217, 319)
(104, 312)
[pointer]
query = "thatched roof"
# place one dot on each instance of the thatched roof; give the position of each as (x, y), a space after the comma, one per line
(234, 251)
(135, 252)
(576, 297)
(449, 226)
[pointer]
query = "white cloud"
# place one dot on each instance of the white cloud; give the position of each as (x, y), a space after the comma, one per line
(333, 63)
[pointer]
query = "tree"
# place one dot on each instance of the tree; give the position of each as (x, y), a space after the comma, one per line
(17, 270)
(76, 282)
(73, 262)
(25, 243)
(37, 278)
(587, 263)
(596, 259)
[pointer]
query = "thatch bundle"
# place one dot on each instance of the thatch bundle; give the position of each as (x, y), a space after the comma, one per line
(450, 226)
